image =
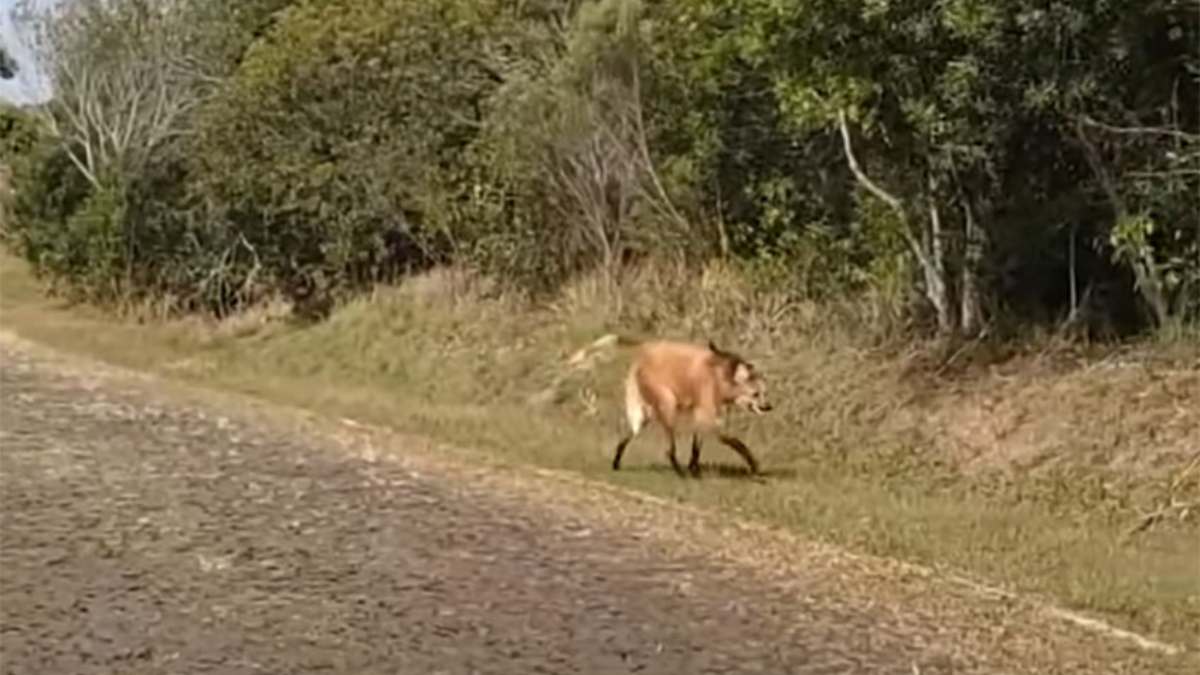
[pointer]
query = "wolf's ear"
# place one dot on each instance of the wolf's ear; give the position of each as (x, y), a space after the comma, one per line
(741, 373)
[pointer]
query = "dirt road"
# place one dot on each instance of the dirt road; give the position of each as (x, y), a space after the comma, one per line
(143, 534)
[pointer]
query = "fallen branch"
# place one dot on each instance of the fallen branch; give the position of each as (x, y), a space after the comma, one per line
(1152, 518)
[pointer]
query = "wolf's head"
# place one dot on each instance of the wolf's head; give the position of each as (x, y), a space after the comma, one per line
(745, 387)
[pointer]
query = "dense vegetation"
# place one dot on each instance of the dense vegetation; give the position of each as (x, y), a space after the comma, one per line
(971, 165)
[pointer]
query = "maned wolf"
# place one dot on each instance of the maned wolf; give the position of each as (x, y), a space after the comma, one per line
(669, 378)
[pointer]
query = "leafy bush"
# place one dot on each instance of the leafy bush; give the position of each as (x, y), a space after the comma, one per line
(563, 177)
(47, 190)
(326, 155)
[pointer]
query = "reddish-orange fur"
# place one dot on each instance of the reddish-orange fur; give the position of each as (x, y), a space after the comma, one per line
(670, 380)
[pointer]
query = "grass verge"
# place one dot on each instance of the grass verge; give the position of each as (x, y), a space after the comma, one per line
(1035, 473)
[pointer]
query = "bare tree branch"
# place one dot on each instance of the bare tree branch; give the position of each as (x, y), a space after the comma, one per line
(1145, 270)
(123, 82)
(887, 197)
(1140, 131)
(935, 277)
(929, 255)
(644, 150)
(1092, 155)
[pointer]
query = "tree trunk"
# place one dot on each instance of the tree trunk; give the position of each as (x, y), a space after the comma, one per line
(936, 288)
(1149, 284)
(969, 315)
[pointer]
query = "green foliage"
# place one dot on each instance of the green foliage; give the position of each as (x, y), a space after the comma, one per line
(961, 106)
(18, 132)
(1037, 157)
(45, 189)
(96, 244)
(222, 30)
(49, 192)
(326, 152)
(562, 178)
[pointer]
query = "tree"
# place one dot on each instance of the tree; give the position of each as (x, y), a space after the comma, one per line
(566, 157)
(955, 116)
(339, 144)
(8, 65)
(101, 203)
(122, 80)
(1140, 138)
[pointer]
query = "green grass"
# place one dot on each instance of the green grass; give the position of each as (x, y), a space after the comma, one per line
(856, 453)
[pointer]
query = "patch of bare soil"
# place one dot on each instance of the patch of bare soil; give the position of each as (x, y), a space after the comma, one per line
(1125, 412)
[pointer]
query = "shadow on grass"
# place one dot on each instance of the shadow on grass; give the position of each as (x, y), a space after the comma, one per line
(719, 470)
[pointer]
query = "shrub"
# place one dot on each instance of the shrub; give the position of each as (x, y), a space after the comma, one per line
(328, 155)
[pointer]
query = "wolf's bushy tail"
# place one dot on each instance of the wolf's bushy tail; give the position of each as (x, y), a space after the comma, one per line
(579, 361)
(603, 342)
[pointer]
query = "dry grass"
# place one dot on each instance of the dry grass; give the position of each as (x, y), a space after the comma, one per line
(1028, 471)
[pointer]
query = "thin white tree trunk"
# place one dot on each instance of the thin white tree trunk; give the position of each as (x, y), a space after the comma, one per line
(928, 253)
(936, 288)
(970, 314)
